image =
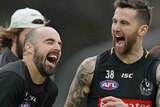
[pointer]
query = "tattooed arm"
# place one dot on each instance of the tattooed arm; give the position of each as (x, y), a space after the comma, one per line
(80, 86)
(158, 92)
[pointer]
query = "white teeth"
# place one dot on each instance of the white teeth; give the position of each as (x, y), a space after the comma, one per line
(117, 36)
(53, 56)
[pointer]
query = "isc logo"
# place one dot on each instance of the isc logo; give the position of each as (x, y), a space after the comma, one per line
(109, 85)
(127, 75)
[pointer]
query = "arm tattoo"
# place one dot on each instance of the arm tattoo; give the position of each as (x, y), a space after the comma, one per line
(80, 86)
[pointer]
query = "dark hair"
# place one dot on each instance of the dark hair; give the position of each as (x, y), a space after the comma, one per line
(30, 38)
(39, 21)
(6, 38)
(144, 11)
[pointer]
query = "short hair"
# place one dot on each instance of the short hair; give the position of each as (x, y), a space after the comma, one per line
(144, 11)
(31, 37)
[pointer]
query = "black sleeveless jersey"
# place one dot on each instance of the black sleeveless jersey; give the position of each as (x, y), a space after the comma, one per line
(18, 90)
(134, 83)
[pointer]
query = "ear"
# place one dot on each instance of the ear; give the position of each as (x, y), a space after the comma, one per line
(143, 30)
(29, 48)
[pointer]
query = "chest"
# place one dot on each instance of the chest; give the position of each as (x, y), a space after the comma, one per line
(112, 77)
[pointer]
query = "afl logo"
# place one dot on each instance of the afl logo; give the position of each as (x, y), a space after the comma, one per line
(109, 85)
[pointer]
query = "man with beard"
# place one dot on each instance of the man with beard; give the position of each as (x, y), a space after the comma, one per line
(12, 38)
(27, 82)
(126, 75)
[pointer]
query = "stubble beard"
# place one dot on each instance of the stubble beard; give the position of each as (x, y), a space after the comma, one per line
(129, 45)
(43, 69)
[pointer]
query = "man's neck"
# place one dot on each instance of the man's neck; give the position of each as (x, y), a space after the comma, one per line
(131, 57)
(36, 77)
(13, 49)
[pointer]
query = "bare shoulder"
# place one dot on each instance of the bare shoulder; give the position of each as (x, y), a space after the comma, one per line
(158, 74)
(80, 86)
(85, 70)
(158, 83)
(89, 64)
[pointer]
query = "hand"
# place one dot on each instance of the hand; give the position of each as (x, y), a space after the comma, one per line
(111, 101)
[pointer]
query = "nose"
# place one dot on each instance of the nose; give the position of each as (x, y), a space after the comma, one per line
(116, 27)
(57, 47)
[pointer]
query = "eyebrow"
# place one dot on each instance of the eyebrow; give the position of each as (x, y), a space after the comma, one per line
(50, 39)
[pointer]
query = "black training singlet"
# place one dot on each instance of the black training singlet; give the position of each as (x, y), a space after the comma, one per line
(18, 90)
(134, 83)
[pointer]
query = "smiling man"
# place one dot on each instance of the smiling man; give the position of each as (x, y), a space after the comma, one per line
(126, 75)
(27, 82)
